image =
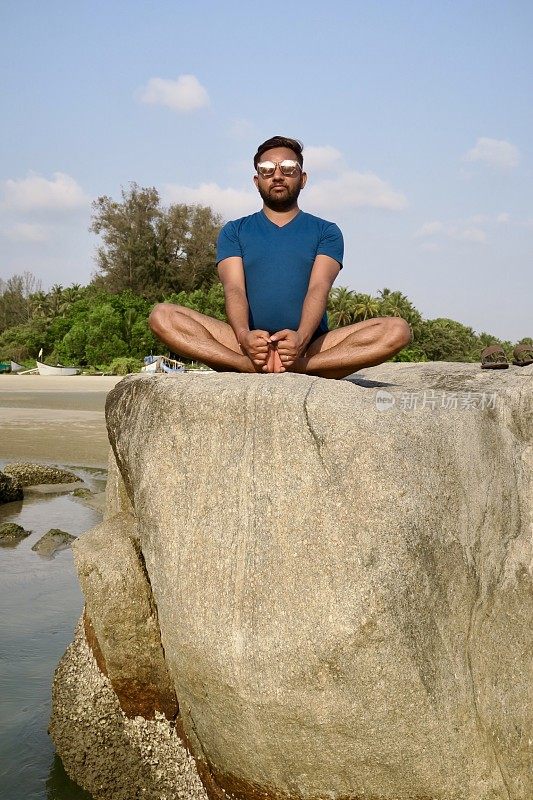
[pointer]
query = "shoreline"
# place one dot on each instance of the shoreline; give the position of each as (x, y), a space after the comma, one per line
(54, 419)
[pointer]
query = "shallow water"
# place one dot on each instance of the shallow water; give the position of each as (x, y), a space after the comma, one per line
(40, 603)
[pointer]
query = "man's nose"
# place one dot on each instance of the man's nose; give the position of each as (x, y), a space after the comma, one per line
(277, 172)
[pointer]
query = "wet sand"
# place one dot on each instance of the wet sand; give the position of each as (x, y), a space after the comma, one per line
(53, 419)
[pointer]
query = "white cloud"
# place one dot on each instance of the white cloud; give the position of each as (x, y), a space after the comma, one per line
(186, 93)
(461, 232)
(27, 232)
(469, 235)
(36, 193)
(428, 247)
(494, 152)
(353, 189)
(429, 229)
(503, 218)
(241, 129)
(231, 203)
(321, 158)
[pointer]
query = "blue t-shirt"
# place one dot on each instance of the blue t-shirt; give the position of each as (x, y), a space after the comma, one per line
(277, 264)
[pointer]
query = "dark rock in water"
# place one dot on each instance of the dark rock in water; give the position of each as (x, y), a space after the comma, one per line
(33, 474)
(53, 541)
(82, 492)
(11, 533)
(95, 500)
(10, 489)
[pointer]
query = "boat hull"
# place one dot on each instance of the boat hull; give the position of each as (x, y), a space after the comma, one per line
(46, 369)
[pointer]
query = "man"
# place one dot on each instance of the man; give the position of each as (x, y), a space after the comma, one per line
(277, 267)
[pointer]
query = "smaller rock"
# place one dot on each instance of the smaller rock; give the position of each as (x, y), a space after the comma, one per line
(10, 489)
(32, 474)
(11, 533)
(94, 500)
(82, 492)
(52, 542)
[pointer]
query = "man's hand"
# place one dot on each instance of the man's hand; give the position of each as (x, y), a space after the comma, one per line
(255, 345)
(289, 345)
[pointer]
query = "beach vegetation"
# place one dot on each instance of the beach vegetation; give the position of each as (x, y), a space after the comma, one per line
(150, 253)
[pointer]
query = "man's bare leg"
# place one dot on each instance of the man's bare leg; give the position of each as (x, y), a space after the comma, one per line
(342, 351)
(199, 337)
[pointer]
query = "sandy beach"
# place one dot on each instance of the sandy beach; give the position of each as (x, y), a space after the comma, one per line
(54, 419)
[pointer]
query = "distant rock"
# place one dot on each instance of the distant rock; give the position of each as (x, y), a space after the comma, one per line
(32, 474)
(10, 489)
(11, 533)
(94, 500)
(52, 542)
(53, 488)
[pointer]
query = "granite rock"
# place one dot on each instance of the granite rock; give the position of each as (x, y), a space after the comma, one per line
(52, 542)
(33, 474)
(341, 572)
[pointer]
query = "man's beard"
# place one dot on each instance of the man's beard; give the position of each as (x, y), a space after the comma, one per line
(283, 202)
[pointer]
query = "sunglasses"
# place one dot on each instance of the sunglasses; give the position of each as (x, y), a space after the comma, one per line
(287, 167)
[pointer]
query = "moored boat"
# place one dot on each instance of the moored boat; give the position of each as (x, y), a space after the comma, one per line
(59, 369)
(10, 366)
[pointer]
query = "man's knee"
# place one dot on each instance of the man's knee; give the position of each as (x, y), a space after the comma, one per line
(397, 332)
(157, 317)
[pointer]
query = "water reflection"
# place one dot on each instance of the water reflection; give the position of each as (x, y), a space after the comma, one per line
(60, 787)
(40, 604)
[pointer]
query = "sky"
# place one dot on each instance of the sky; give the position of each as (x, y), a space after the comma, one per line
(416, 119)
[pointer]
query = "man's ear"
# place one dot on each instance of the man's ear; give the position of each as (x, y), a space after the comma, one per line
(255, 181)
(303, 179)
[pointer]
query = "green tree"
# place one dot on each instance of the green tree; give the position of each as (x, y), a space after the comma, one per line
(365, 307)
(341, 303)
(396, 304)
(207, 301)
(447, 340)
(15, 299)
(152, 250)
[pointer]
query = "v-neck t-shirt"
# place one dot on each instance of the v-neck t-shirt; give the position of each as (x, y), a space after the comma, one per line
(277, 264)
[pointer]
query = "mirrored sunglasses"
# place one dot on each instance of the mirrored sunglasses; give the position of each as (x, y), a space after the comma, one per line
(287, 167)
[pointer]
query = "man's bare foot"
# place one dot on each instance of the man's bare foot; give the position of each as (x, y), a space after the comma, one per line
(300, 365)
(273, 363)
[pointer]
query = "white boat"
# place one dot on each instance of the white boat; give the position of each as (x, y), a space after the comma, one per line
(162, 364)
(59, 369)
(16, 367)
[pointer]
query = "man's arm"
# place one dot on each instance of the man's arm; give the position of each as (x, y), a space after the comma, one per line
(292, 344)
(254, 343)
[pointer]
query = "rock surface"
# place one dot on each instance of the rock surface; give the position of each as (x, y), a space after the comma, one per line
(116, 758)
(341, 572)
(11, 533)
(52, 542)
(10, 489)
(33, 474)
(120, 611)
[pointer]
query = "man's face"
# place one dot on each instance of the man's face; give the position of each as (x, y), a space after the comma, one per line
(280, 192)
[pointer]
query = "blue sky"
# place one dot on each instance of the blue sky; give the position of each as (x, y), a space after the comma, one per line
(416, 118)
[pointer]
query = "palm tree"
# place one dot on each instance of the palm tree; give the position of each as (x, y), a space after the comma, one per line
(340, 307)
(366, 307)
(396, 304)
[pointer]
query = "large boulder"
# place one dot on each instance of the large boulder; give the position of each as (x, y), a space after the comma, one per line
(341, 576)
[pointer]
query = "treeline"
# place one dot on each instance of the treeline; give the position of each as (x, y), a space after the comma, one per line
(148, 254)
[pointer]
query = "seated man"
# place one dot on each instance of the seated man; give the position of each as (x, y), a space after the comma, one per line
(277, 267)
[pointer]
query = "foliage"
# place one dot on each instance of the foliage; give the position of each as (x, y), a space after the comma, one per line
(152, 250)
(15, 299)
(125, 365)
(210, 301)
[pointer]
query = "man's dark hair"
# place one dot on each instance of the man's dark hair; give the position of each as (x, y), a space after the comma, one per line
(280, 141)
